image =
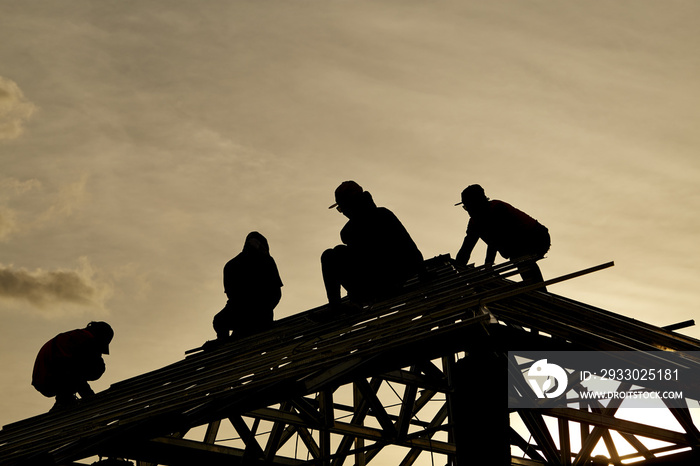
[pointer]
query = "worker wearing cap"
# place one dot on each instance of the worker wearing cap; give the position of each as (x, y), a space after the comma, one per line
(505, 230)
(68, 361)
(377, 255)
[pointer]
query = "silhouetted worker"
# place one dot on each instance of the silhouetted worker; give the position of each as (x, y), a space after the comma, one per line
(253, 286)
(505, 230)
(378, 254)
(67, 362)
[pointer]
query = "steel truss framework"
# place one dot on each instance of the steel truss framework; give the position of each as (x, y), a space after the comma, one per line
(319, 429)
(414, 379)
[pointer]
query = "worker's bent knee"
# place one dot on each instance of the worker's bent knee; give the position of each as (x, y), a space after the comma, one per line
(335, 256)
(327, 256)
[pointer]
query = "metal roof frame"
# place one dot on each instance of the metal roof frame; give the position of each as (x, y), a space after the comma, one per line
(400, 359)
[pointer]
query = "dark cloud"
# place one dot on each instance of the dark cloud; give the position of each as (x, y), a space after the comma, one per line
(46, 288)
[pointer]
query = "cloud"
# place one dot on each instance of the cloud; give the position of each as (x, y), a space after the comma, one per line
(44, 209)
(45, 289)
(10, 188)
(15, 110)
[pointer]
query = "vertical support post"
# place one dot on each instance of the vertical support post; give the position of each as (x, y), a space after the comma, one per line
(565, 442)
(448, 367)
(359, 442)
(479, 405)
(325, 398)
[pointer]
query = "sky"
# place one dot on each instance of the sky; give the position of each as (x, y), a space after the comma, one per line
(140, 141)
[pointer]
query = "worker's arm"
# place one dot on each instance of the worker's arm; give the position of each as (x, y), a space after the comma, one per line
(490, 255)
(466, 250)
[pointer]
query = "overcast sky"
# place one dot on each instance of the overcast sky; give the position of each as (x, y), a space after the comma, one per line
(140, 141)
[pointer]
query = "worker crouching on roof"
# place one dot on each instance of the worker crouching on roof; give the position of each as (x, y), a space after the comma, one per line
(253, 286)
(505, 230)
(67, 362)
(377, 255)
